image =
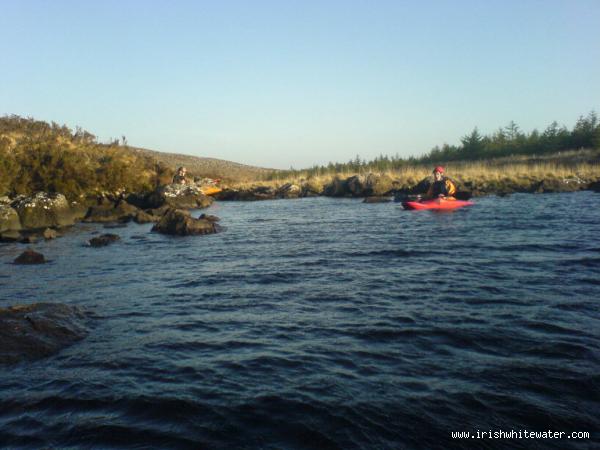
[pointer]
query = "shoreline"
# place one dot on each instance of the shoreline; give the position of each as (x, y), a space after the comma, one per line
(57, 215)
(394, 184)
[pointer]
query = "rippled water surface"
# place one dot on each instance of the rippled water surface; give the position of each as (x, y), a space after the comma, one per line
(320, 323)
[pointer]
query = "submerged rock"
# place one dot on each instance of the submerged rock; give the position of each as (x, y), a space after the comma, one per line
(30, 256)
(377, 200)
(103, 240)
(35, 331)
(179, 222)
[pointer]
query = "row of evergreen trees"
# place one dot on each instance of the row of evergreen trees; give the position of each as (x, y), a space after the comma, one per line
(506, 141)
(40, 156)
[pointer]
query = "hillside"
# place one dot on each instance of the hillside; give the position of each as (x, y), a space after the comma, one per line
(41, 156)
(206, 167)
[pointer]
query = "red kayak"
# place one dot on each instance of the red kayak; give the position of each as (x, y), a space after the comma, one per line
(437, 203)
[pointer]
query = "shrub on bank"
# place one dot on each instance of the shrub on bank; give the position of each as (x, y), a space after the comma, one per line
(37, 156)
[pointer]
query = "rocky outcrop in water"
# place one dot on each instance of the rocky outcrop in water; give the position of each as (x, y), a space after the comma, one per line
(103, 240)
(252, 193)
(551, 185)
(180, 196)
(9, 218)
(35, 331)
(145, 217)
(24, 215)
(371, 185)
(49, 233)
(179, 222)
(10, 236)
(377, 200)
(44, 210)
(107, 211)
(209, 217)
(288, 190)
(507, 186)
(311, 188)
(30, 256)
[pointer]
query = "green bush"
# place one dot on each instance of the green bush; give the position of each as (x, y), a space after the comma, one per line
(37, 156)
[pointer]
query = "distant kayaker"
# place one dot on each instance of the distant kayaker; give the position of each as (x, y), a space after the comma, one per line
(179, 177)
(441, 187)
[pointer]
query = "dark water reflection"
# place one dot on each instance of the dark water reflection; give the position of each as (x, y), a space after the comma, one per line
(320, 323)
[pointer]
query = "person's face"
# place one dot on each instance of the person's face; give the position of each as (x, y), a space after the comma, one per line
(437, 176)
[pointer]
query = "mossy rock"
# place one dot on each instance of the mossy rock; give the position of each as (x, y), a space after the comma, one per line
(44, 210)
(9, 219)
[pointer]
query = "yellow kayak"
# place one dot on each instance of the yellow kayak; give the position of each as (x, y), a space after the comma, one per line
(210, 190)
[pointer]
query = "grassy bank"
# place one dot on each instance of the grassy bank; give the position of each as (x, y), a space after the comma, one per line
(515, 173)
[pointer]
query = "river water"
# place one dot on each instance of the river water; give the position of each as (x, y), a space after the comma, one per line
(320, 323)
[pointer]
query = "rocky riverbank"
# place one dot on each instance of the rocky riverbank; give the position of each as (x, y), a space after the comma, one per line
(34, 331)
(373, 186)
(46, 215)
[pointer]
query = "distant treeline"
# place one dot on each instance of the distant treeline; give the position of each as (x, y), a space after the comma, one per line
(41, 156)
(505, 142)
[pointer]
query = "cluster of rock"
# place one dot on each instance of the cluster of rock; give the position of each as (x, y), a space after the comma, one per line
(39, 215)
(145, 208)
(548, 185)
(260, 192)
(39, 330)
(380, 188)
(182, 196)
(27, 218)
(370, 185)
(179, 222)
(376, 187)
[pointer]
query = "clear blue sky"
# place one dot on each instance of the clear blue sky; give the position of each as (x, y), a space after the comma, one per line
(293, 83)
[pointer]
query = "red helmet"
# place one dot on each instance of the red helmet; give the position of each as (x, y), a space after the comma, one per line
(439, 169)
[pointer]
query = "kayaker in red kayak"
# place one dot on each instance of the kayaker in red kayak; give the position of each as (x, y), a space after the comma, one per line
(441, 187)
(440, 195)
